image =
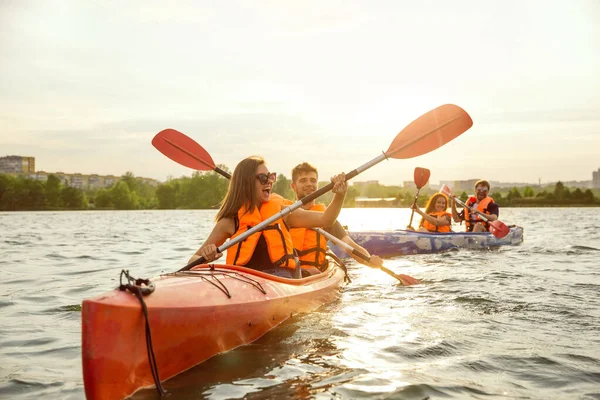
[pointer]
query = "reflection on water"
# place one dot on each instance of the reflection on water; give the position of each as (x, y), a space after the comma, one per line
(517, 322)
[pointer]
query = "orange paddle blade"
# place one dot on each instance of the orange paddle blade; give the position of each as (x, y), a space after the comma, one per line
(430, 131)
(421, 177)
(183, 150)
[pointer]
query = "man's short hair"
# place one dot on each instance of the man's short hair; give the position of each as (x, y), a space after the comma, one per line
(482, 182)
(303, 168)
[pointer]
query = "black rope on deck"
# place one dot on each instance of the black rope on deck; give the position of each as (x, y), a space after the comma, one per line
(139, 292)
(232, 274)
(340, 264)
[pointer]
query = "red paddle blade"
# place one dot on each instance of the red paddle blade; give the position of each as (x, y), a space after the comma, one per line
(499, 228)
(407, 280)
(430, 131)
(421, 176)
(446, 190)
(183, 150)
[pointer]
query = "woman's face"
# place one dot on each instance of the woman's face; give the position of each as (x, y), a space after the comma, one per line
(440, 204)
(263, 190)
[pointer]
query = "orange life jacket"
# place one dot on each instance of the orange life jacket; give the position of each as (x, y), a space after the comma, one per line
(310, 245)
(482, 207)
(277, 236)
(431, 227)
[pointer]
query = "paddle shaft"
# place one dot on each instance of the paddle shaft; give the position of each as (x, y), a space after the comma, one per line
(357, 253)
(285, 211)
(412, 214)
(481, 215)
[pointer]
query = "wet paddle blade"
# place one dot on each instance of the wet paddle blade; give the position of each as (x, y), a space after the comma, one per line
(499, 228)
(183, 150)
(407, 280)
(421, 177)
(430, 131)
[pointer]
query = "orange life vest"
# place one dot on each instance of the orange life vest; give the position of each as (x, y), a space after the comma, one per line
(482, 207)
(310, 245)
(277, 236)
(433, 228)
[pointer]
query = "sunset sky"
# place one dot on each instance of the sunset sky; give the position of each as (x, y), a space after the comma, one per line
(84, 86)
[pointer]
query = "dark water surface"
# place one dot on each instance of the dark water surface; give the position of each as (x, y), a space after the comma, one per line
(515, 323)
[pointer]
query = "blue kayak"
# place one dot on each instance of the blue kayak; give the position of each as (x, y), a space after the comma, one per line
(404, 242)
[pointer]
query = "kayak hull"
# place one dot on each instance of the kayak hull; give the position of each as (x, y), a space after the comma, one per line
(406, 242)
(193, 316)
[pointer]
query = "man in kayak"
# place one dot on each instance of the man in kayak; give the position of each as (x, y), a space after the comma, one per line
(481, 203)
(248, 202)
(310, 245)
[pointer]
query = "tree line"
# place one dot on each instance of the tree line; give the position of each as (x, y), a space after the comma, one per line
(205, 190)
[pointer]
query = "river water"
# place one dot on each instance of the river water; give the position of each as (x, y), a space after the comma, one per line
(520, 322)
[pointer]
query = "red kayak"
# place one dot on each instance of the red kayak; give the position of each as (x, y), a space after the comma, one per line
(192, 316)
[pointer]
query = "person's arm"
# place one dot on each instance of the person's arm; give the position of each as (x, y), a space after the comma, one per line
(443, 221)
(339, 232)
(301, 218)
(222, 230)
(457, 218)
(494, 211)
(373, 262)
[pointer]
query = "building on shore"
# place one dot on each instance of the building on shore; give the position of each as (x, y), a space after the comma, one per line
(17, 165)
(25, 166)
(596, 179)
(375, 202)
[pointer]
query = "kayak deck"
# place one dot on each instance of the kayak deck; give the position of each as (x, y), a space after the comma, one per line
(406, 242)
(193, 315)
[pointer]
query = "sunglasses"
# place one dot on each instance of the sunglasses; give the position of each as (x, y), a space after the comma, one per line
(483, 190)
(265, 178)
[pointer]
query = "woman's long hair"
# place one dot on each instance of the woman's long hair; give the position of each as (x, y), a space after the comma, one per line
(242, 189)
(430, 207)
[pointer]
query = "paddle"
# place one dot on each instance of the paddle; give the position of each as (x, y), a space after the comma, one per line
(194, 150)
(406, 280)
(421, 178)
(497, 227)
(427, 133)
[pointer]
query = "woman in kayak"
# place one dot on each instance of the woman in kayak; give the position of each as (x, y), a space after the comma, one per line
(249, 201)
(435, 218)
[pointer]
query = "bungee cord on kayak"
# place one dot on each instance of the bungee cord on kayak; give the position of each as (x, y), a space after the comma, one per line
(136, 288)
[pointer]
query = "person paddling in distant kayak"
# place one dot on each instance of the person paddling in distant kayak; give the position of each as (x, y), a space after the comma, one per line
(310, 245)
(435, 218)
(481, 203)
(248, 202)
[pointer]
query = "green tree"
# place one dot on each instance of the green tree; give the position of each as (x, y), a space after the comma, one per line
(283, 187)
(53, 189)
(528, 192)
(102, 199)
(72, 198)
(513, 194)
(167, 195)
(130, 180)
(588, 196)
(7, 193)
(559, 191)
(577, 195)
(122, 198)
(36, 195)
